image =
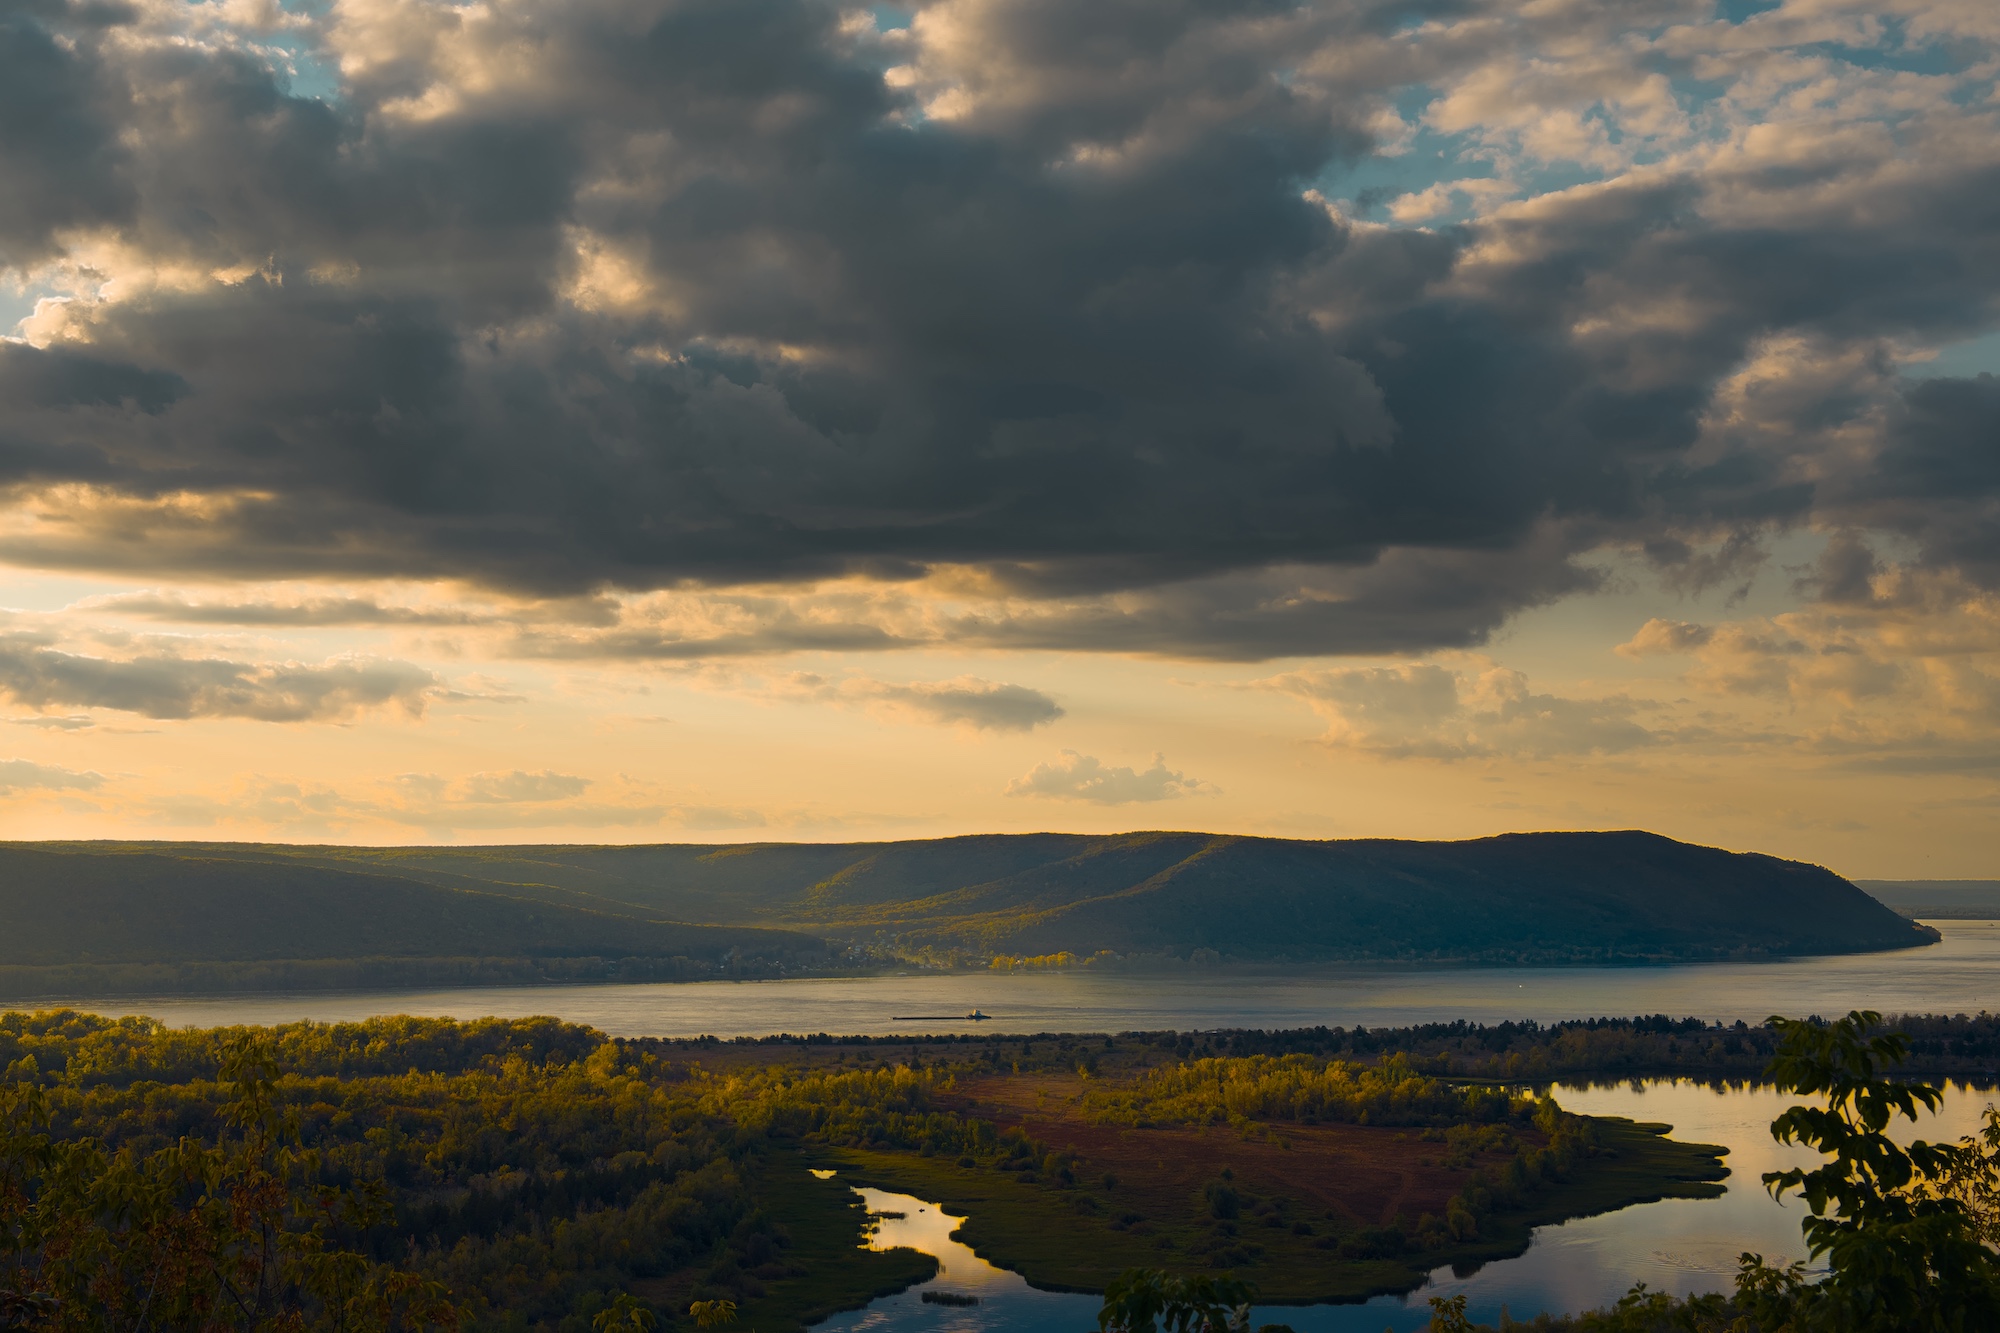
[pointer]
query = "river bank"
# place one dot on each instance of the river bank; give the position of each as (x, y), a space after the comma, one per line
(1956, 975)
(1683, 1245)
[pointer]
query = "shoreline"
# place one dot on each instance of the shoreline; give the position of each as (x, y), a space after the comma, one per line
(420, 975)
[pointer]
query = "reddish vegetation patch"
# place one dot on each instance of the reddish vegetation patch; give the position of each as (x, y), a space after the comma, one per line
(1363, 1176)
(1337, 1176)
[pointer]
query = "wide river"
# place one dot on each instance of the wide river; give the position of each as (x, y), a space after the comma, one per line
(1683, 1245)
(1959, 975)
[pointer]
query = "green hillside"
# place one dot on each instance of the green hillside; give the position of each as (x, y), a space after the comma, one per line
(1543, 896)
(70, 908)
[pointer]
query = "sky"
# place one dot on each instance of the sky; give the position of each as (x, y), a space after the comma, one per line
(728, 420)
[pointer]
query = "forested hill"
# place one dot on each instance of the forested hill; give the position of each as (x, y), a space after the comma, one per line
(167, 919)
(1577, 897)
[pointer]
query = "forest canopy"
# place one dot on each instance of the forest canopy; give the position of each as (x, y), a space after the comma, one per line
(534, 1174)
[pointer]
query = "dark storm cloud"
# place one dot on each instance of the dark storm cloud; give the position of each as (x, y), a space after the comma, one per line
(59, 123)
(698, 294)
(1939, 479)
(1405, 598)
(1929, 459)
(32, 377)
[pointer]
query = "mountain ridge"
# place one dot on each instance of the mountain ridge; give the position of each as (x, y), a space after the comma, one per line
(1618, 896)
(67, 908)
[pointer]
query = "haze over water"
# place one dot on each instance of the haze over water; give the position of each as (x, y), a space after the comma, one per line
(1959, 975)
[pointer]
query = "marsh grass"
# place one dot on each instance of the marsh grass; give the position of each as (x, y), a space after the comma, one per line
(828, 1268)
(1039, 1231)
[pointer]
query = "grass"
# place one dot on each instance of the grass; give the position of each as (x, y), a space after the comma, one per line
(1076, 1239)
(1638, 1164)
(825, 1269)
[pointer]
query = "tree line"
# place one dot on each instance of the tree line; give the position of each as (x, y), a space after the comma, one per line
(1902, 1238)
(425, 1174)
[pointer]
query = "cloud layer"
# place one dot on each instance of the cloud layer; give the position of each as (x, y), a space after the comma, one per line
(160, 685)
(964, 701)
(1423, 710)
(498, 802)
(1891, 669)
(23, 774)
(1081, 777)
(1111, 326)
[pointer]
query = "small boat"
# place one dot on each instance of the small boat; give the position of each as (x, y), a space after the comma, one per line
(977, 1017)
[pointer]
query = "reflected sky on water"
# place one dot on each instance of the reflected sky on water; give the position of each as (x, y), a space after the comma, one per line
(1956, 976)
(1678, 1245)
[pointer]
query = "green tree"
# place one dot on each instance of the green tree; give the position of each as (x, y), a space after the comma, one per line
(236, 1233)
(712, 1314)
(1903, 1231)
(628, 1312)
(1448, 1315)
(1151, 1300)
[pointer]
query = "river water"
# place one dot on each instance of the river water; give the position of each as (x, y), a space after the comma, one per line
(1961, 974)
(1682, 1245)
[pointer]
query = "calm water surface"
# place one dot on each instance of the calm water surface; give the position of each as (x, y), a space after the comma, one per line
(1959, 975)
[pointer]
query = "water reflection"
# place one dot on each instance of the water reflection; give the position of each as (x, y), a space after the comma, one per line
(1678, 1245)
(1954, 976)
(1007, 1304)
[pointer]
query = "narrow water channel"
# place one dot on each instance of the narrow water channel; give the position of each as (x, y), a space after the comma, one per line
(1007, 1304)
(1678, 1245)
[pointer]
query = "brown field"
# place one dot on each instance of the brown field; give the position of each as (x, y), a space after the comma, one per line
(1344, 1175)
(1347, 1175)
